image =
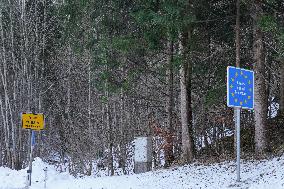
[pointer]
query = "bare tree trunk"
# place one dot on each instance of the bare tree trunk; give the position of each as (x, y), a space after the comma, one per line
(4, 109)
(238, 41)
(90, 125)
(1, 145)
(67, 110)
(123, 135)
(41, 81)
(110, 131)
(123, 125)
(260, 106)
(25, 76)
(185, 102)
(170, 104)
(14, 128)
(238, 48)
(281, 105)
(6, 136)
(110, 137)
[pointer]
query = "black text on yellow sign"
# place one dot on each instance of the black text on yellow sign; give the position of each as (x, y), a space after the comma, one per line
(32, 121)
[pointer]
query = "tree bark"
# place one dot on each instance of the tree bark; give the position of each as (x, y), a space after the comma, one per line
(109, 128)
(185, 101)
(281, 104)
(14, 129)
(238, 48)
(170, 105)
(260, 106)
(238, 40)
(4, 106)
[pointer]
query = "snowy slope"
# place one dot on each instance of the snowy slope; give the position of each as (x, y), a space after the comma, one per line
(267, 174)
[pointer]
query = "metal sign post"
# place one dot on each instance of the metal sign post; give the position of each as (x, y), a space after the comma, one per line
(45, 176)
(240, 94)
(29, 171)
(32, 122)
(238, 128)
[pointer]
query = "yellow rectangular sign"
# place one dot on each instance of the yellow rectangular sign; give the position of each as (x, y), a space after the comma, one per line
(32, 121)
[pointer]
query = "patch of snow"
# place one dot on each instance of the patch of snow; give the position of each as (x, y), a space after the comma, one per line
(268, 174)
(273, 108)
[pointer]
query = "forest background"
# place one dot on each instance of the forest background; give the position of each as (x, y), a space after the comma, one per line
(104, 72)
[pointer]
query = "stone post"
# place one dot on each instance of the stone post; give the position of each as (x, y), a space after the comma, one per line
(143, 154)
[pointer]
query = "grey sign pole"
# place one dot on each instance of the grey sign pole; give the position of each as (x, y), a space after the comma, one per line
(29, 171)
(238, 128)
(45, 177)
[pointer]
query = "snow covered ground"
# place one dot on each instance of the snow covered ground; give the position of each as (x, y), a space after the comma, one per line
(267, 174)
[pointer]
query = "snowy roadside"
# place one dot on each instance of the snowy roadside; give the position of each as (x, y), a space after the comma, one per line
(267, 174)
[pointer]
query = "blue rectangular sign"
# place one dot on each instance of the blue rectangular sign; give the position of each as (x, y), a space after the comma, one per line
(240, 88)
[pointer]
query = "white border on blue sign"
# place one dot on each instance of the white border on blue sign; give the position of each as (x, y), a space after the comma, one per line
(228, 95)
